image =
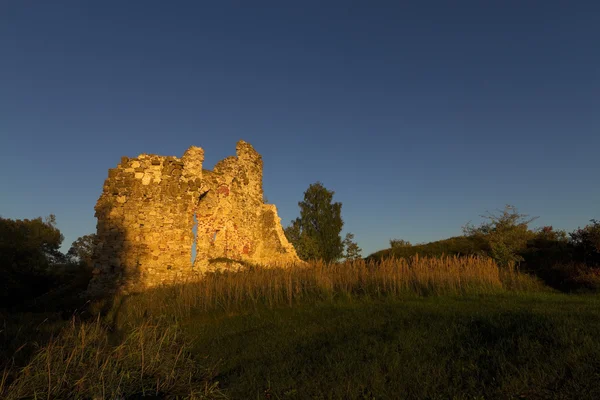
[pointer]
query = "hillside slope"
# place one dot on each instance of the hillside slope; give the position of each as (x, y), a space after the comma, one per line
(458, 245)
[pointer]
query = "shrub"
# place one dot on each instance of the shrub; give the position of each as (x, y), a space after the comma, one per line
(587, 242)
(568, 263)
(506, 233)
(399, 243)
(572, 277)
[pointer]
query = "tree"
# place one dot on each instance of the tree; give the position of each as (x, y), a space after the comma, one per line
(82, 250)
(316, 233)
(306, 247)
(30, 245)
(352, 250)
(506, 234)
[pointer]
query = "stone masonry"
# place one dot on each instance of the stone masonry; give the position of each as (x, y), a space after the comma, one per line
(151, 204)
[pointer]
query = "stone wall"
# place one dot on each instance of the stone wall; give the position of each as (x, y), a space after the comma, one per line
(151, 205)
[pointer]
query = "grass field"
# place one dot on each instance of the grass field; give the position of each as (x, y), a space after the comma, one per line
(446, 347)
(406, 329)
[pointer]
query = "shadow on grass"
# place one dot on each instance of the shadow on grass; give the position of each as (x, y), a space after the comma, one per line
(416, 348)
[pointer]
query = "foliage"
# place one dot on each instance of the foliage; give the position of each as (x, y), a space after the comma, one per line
(587, 242)
(82, 250)
(28, 248)
(506, 233)
(306, 246)
(316, 233)
(399, 243)
(352, 251)
(568, 263)
(548, 247)
(548, 233)
(571, 276)
(29, 244)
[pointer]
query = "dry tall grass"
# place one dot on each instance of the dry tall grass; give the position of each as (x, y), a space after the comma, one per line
(287, 285)
(151, 360)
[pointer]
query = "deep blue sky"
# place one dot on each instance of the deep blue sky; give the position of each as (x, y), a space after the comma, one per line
(420, 115)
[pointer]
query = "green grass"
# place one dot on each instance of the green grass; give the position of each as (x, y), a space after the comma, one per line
(422, 328)
(476, 347)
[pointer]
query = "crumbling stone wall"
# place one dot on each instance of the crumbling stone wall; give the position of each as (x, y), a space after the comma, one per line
(151, 204)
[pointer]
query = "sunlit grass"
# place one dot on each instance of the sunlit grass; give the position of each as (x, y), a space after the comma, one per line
(285, 286)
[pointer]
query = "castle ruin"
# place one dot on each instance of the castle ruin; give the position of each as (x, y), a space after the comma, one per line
(154, 209)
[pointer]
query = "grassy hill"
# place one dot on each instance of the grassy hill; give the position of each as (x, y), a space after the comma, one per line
(459, 245)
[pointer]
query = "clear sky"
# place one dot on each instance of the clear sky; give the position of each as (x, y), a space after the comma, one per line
(420, 115)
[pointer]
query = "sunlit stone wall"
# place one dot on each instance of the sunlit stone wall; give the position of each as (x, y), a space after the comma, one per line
(151, 204)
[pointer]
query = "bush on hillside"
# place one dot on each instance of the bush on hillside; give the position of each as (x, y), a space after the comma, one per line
(398, 243)
(548, 247)
(506, 233)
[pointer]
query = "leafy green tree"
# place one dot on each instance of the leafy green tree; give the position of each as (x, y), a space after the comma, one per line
(305, 246)
(30, 244)
(82, 250)
(316, 233)
(352, 252)
(506, 233)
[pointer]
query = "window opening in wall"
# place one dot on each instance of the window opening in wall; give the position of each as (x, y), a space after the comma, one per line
(195, 242)
(195, 231)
